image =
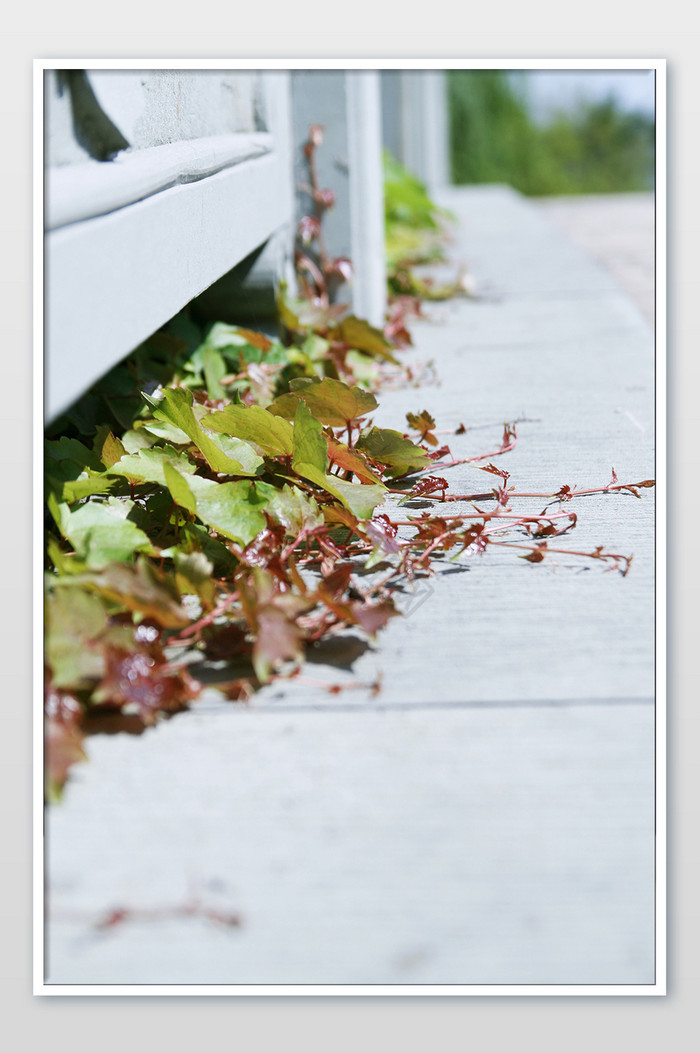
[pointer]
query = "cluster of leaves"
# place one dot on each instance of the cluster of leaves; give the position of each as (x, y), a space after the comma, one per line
(228, 497)
(417, 232)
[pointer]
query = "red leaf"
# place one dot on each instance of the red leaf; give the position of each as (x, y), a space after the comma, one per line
(278, 640)
(372, 616)
(222, 643)
(308, 228)
(145, 681)
(62, 736)
(336, 583)
(537, 554)
(493, 470)
(429, 485)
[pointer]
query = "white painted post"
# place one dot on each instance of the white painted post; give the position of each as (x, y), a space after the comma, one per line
(416, 123)
(366, 195)
(347, 104)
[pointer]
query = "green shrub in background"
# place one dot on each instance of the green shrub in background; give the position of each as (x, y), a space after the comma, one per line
(597, 149)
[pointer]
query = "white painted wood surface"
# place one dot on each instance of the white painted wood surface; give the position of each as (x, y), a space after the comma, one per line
(76, 192)
(113, 279)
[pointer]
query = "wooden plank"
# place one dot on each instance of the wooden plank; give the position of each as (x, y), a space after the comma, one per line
(113, 280)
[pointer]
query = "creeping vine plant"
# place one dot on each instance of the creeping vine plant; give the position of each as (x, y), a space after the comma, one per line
(231, 493)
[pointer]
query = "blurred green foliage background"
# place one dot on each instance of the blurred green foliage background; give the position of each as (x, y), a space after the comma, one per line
(597, 148)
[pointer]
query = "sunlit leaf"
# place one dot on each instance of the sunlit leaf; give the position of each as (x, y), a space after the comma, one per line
(100, 531)
(176, 408)
(273, 434)
(294, 510)
(214, 370)
(107, 447)
(330, 401)
(233, 509)
(351, 460)
(363, 336)
(310, 449)
(179, 488)
(193, 574)
(148, 465)
(390, 448)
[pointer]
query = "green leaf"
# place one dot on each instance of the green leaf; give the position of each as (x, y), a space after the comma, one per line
(196, 538)
(179, 488)
(363, 336)
(232, 509)
(241, 451)
(69, 482)
(74, 618)
(310, 449)
(274, 435)
(140, 438)
(148, 465)
(87, 485)
(160, 429)
(222, 335)
(331, 401)
(176, 408)
(364, 369)
(359, 498)
(144, 589)
(390, 448)
(100, 531)
(107, 447)
(63, 562)
(293, 510)
(288, 318)
(65, 449)
(193, 575)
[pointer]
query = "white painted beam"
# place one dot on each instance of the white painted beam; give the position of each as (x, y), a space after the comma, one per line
(77, 192)
(114, 279)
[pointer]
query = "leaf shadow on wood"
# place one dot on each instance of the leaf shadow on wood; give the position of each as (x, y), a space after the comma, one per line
(341, 651)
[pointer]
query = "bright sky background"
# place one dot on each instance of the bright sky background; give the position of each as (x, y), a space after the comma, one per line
(552, 90)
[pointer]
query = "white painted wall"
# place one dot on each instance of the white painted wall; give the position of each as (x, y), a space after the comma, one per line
(205, 181)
